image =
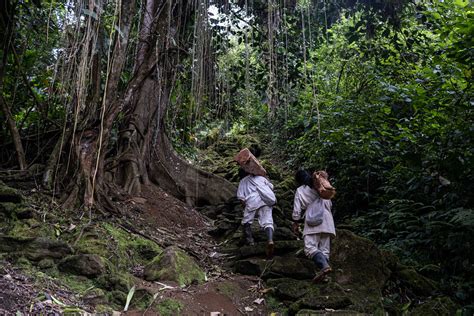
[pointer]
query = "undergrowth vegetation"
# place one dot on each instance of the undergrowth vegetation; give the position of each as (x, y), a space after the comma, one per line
(378, 93)
(385, 107)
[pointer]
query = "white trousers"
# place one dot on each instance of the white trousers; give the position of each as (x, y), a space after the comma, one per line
(314, 243)
(265, 218)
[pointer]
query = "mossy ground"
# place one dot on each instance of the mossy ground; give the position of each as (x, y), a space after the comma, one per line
(169, 307)
(119, 250)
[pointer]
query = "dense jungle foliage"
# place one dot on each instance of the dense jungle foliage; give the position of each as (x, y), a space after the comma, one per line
(378, 93)
(386, 107)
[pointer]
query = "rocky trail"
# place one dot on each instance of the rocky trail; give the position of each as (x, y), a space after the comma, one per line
(157, 256)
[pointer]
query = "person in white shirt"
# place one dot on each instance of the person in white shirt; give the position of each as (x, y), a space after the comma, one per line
(317, 239)
(256, 194)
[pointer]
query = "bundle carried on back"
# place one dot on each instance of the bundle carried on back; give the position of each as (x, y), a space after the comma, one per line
(249, 163)
(322, 185)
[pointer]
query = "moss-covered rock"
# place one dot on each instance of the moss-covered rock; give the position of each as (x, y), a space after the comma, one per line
(34, 249)
(83, 264)
(123, 249)
(8, 194)
(351, 252)
(95, 296)
(46, 263)
(291, 266)
(416, 282)
(322, 302)
(174, 265)
(274, 174)
(259, 249)
(250, 266)
(289, 289)
(115, 281)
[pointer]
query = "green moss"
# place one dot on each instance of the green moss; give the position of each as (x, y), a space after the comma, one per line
(30, 228)
(119, 246)
(77, 284)
(8, 208)
(273, 172)
(23, 262)
(102, 309)
(169, 307)
(174, 265)
(141, 299)
(115, 281)
(46, 263)
(116, 298)
(91, 243)
(275, 306)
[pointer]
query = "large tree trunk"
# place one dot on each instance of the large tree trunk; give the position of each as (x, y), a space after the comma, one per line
(146, 152)
(184, 181)
(143, 152)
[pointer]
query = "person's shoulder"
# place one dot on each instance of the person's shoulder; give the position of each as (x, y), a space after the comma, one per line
(305, 189)
(260, 178)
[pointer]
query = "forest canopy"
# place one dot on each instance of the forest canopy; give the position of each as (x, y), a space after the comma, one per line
(103, 97)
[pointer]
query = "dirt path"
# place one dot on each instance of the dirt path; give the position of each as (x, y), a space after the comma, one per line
(224, 292)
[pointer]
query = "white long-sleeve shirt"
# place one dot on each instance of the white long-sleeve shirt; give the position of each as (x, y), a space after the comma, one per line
(249, 188)
(304, 196)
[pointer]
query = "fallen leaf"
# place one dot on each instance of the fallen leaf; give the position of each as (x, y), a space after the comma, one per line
(71, 227)
(259, 301)
(248, 309)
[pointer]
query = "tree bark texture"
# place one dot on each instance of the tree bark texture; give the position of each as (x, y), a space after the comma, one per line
(142, 154)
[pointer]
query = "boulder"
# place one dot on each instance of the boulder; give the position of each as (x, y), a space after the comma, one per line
(34, 249)
(322, 302)
(259, 249)
(87, 265)
(358, 261)
(9, 195)
(279, 267)
(280, 234)
(174, 265)
(250, 266)
(291, 266)
(289, 289)
(417, 283)
(115, 281)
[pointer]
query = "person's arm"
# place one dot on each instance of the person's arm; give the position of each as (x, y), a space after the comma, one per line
(296, 215)
(241, 194)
